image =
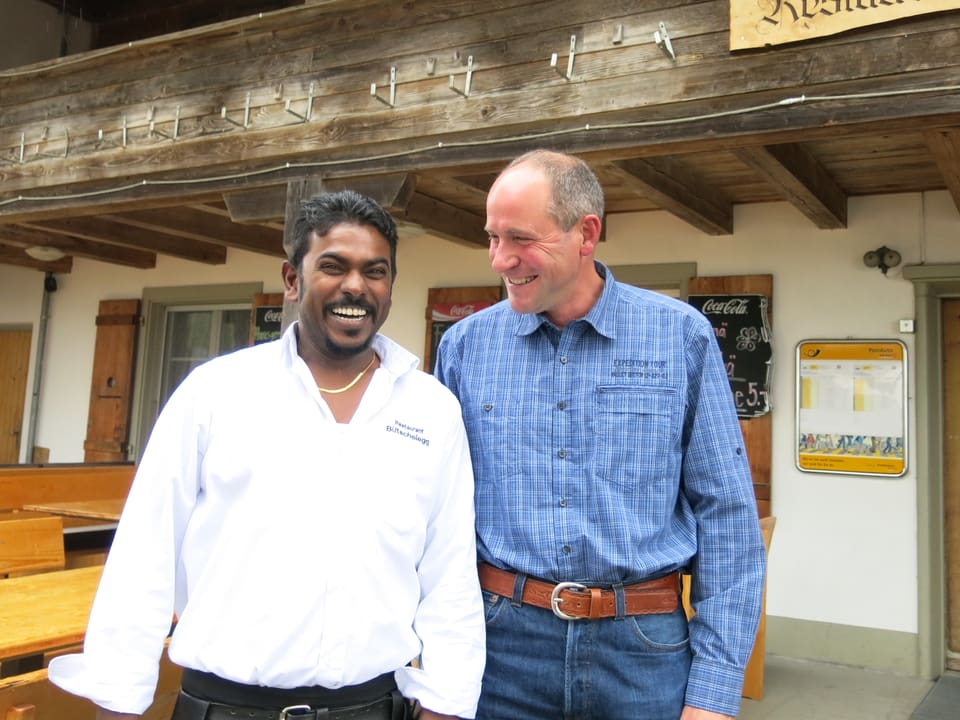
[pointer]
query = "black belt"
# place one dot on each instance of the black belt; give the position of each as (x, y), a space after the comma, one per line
(393, 707)
(207, 696)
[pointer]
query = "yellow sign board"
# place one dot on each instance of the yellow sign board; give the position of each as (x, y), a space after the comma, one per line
(756, 23)
(851, 407)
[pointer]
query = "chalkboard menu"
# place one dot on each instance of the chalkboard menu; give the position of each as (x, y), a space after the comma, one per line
(743, 333)
(266, 323)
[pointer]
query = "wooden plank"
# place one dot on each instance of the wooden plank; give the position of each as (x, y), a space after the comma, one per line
(24, 237)
(802, 179)
(951, 468)
(29, 545)
(34, 689)
(24, 484)
(14, 368)
(945, 146)
(111, 388)
(113, 231)
(601, 91)
(106, 509)
(675, 189)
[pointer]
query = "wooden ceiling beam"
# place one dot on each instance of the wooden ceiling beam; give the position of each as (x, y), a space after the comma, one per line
(107, 230)
(443, 220)
(804, 182)
(14, 255)
(674, 188)
(945, 147)
(199, 224)
(268, 204)
(24, 237)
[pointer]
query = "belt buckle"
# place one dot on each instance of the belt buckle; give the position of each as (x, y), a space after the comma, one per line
(555, 598)
(295, 711)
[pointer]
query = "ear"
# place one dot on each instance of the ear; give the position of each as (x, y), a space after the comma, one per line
(291, 282)
(590, 234)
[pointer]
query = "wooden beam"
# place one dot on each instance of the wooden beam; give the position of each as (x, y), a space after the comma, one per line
(801, 178)
(258, 205)
(945, 146)
(14, 255)
(269, 204)
(443, 220)
(24, 237)
(675, 189)
(199, 224)
(112, 230)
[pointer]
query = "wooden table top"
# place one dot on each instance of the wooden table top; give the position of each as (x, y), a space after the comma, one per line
(108, 509)
(46, 611)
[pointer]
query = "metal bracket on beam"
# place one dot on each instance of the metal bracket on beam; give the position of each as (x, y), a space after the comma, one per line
(309, 112)
(159, 133)
(618, 34)
(662, 38)
(19, 160)
(43, 139)
(466, 86)
(123, 136)
(392, 102)
(246, 115)
(570, 57)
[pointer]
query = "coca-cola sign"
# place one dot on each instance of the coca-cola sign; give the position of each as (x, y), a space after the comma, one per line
(743, 334)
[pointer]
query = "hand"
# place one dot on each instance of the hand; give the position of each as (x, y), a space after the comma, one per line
(692, 713)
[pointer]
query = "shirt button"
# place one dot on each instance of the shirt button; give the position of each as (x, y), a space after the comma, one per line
(566, 549)
(563, 503)
(561, 405)
(563, 359)
(562, 453)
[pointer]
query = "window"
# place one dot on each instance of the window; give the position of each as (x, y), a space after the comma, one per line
(196, 334)
(182, 327)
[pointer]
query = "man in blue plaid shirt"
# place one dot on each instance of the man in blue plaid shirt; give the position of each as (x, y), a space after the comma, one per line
(608, 459)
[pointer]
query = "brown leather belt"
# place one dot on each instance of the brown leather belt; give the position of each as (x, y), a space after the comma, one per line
(575, 601)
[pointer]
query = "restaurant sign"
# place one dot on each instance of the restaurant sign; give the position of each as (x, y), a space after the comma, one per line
(756, 23)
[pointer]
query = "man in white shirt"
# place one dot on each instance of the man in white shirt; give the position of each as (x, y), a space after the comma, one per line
(305, 508)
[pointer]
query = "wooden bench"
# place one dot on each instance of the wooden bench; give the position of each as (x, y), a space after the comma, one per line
(30, 544)
(32, 696)
(36, 484)
(27, 484)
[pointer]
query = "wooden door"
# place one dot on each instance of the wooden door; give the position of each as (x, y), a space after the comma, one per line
(951, 474)
(108, 420)
(14, 366)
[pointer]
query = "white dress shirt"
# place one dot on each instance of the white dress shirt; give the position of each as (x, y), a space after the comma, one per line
(295, 551)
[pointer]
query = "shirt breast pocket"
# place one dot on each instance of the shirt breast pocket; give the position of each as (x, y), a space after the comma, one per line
(638, 434)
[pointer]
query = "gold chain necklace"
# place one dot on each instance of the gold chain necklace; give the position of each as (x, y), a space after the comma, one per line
(352, 382)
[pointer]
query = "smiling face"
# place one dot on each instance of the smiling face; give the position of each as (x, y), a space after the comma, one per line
(545, 268)
(344, 286)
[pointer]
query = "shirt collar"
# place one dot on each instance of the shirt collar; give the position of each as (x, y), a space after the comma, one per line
(394, 358)
(600, 316)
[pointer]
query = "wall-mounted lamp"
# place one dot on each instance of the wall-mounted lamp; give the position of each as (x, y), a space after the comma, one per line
(883, 258)
(44, 253)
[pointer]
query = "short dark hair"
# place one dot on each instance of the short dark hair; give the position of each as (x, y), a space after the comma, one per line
(322, 212)
(575, 190)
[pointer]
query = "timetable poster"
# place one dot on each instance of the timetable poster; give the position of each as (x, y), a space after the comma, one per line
(851, 407)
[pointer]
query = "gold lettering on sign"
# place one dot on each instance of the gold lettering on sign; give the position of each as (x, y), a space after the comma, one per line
(756, 23)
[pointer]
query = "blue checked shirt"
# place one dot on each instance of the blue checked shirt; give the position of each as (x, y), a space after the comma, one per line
(610, 452)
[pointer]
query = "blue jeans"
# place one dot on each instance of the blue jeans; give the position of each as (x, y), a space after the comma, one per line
(540, 667)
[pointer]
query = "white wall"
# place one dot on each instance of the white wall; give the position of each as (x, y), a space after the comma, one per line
(839, 538)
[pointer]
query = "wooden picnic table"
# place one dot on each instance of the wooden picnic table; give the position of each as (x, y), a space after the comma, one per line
(44, 612)
(108, 509)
